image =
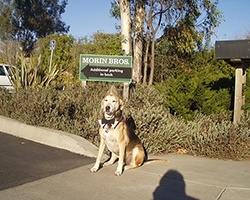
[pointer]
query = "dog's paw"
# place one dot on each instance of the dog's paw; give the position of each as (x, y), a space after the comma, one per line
(107, 164)
(94, 169)
(118, 172)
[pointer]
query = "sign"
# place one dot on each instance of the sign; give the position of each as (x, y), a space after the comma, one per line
(105, 68)
(231, 50)
(52, 44)
(236, 53)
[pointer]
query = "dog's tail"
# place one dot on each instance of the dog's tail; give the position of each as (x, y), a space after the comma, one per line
(148, 161)
(152, 160)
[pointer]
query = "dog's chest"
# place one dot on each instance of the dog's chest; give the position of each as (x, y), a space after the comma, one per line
(110, 139)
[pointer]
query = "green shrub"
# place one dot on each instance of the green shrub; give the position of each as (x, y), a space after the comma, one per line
(76, 110)
(30, 74)
(246, 92)
(213, 135)
(204, 87)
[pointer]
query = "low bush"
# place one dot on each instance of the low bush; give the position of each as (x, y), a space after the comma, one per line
(76, 110)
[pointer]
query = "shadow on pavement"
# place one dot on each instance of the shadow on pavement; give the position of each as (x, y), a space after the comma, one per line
(172, 187)
(23, 161)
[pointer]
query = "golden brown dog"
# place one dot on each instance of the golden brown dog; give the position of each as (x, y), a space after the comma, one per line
(119, 138)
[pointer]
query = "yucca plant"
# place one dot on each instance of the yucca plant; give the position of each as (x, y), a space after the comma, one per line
(30, 73)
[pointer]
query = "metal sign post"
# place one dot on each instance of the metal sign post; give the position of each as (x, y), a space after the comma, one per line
(52, 47)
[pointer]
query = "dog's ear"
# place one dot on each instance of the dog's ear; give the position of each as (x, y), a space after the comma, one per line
(113, 91)
(102, 104)
(102, 107)
(121, 103)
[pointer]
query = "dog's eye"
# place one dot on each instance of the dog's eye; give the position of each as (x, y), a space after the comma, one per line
(114, 101)
(105, 99)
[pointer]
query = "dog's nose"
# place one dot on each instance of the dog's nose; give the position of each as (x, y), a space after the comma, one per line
(107, 108)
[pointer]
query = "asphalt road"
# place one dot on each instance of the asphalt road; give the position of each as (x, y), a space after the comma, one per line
(23, 161)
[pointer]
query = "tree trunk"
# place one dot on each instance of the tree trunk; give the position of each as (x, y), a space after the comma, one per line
(126, 37)
(152, 61)
(125, 26)
(138, 40)
(153, 33)
(145, 58)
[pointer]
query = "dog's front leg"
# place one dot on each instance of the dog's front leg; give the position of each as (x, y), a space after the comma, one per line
(99, 156)
(111, 160)
(119, 169)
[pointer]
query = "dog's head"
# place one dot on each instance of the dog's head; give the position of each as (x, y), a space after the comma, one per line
(112, 104)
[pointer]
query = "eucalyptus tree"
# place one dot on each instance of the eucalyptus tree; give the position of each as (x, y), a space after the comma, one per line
(125, 15)
(185, 24)
(151, 20)
(27, 20)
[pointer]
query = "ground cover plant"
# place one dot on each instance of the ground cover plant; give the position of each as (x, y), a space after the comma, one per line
(76, 110)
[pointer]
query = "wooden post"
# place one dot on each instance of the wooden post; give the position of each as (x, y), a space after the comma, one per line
(126, 91)
(238, 100)
(84, 84)
(244, 80)
(236, 53)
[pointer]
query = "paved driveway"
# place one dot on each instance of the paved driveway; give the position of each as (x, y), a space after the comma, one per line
(23, 161)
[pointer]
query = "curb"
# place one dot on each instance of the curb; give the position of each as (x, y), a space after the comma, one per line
(50, 137)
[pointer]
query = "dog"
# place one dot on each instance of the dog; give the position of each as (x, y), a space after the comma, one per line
(118, 136)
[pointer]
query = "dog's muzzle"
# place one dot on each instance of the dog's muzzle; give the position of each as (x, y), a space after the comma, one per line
(107, 109)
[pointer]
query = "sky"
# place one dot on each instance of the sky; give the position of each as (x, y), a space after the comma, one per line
(86, 17)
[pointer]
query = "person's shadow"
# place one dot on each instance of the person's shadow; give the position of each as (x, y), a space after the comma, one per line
(172, 187)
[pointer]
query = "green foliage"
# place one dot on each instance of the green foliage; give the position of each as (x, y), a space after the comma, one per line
(204, 86)
(26, 21)
(76, 110)
(185, 29)
(67, 51)
(65, 62)
(6, 27)
(67, 110)
(29, 74)
(103, 44)
(246, 92)
(9, 51)
(61, 57)
(216, 136)
(115, 10)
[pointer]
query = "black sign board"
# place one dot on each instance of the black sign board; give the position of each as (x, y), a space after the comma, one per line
(229, 50)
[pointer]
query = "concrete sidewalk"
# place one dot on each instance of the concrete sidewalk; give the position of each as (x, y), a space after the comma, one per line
(183, 177)
(50, 137)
